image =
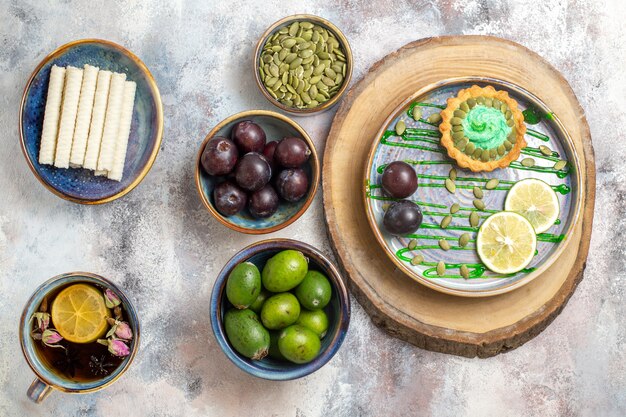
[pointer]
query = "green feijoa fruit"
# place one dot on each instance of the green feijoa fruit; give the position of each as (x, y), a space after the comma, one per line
(280, 310)
(260, 300)
(299, 344)
(284, 271)
(246, 333)
(314, 320)
(274, 352)
(243, 285)
(314, 291)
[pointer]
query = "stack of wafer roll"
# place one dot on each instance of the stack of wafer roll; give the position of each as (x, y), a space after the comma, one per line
(87, 120)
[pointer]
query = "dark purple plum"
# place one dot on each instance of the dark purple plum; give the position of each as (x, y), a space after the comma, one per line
(219, 156)
(291, 152)
(263, 203)
(248, 136)
(399, 179)
(292, 184)
(268, 152)
(253, 171)
(229, 199)
(402, 217)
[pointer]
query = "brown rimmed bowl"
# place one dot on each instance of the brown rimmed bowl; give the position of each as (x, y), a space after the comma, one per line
(337, 310)
(276, 127)
(286, 22)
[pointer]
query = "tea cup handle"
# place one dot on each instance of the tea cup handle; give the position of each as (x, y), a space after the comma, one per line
(38, 391)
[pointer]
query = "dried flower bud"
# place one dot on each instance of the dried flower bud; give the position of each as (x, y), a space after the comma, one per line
(118, 312)
(43, 320)
(111, 299)
(123, 331)
(116, 346)
(51, 337)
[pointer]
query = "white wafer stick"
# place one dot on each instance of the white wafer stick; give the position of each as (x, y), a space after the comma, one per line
(97, 120)
(71, 94)
(100, 173)
(121, 145)
(51, 116)
(83, 118)
(111, 122)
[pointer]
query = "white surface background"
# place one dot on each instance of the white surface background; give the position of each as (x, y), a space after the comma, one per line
(160, 244)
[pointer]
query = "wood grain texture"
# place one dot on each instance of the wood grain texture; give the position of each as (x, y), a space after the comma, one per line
(463, 326)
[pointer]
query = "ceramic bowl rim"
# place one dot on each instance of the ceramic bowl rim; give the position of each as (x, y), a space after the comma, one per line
(159, 121)
(313, 160)
(343, 320)
(349, 62)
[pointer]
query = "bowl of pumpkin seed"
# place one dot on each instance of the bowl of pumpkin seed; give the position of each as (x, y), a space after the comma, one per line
(303, 64)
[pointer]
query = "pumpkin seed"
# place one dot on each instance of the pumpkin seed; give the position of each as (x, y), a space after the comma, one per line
(307, 53)
(470, 148)
(443, 244)
(474, 218)
(434, 118)
(452, 174)
(480, 100)
(528, 162)
(293, 29)
(477, 153)
(478, 193)
(501, 150)
(488, 102)
(416, 113)
(328, 81)
(471, 102)
(454, 208)
(462, 143)
(507, 145)
(456, 121)
(479, 204)
(417, 259)
(492, 183)
(559, 165)
(496, 104)
(460, 114)
(545, 150)
(295, 63)
(450, 185)
(508, 114)
(510, 122)
(485, 155)
(464, 270)
(305, 97)
(464, 240)
(458, 135)
(493, 153)
(446, 221)
(457, 128)
(441, 268)
(464, 107)
(412, 244)
(400, 127)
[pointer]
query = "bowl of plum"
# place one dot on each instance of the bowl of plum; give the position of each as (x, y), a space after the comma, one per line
(257, 171)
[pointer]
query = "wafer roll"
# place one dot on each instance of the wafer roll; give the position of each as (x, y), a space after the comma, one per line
(71, 94)
(126, 118)
(83, 118)
(50, 129)
(111, 122)
(97, 120)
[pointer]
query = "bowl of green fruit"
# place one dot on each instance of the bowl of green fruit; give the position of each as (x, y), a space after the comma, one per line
(279, 309)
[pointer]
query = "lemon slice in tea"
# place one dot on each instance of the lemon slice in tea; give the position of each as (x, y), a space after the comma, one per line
(506, 242)
(536, 201)
(79, 314)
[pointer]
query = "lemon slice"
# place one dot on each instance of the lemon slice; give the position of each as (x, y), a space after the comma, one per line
(79, 314)
(536, 201)
(506, 242)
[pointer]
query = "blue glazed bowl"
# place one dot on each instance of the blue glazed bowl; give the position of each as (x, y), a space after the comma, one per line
(80, 185)
(276, 127)
(338, 311)
(47, 378)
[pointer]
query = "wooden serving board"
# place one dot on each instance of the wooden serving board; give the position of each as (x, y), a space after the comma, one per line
(432, 320)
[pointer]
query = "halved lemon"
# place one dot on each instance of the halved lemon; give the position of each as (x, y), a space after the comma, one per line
(536, 201)
(79, 313)
(506, 242)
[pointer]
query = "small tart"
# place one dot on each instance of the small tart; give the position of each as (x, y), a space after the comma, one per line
(482, 129)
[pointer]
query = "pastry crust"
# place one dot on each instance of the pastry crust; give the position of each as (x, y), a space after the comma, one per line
(466, 161)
